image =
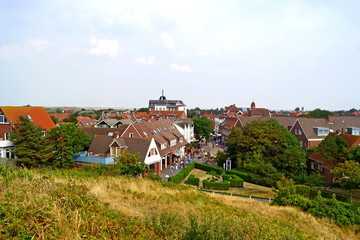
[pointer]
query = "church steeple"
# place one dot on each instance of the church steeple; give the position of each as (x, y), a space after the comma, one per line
(253, 104)
(162, 97)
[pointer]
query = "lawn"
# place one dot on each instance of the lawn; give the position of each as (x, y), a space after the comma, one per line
(248, 189)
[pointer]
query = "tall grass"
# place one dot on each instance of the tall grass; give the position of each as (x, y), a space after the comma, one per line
(62, 205)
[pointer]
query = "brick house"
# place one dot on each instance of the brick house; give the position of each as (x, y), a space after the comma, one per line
(170, 142)
(8, 118)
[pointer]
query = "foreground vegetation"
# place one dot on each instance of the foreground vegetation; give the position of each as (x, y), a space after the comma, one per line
(81, 203)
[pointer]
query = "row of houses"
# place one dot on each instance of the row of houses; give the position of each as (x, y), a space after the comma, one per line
(159, 142)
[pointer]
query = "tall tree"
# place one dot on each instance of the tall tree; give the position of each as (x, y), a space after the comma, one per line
(130, 163)
(31, 147)
(348, 173)
(318, 113)
(62, 154)
(75, 138)
(202, 126)
(267, 148)
(333, 149)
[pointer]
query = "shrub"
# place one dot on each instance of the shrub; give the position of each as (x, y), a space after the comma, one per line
(192, 180)
(244, 175)
(234, 180)
(208, 168)
(182, 174)
(216, 185)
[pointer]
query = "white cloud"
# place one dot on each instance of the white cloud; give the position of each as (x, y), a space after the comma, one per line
(168, 40)
(207, 53)
(180, 68)
(145, 60)
(104, 47)
(39, 44)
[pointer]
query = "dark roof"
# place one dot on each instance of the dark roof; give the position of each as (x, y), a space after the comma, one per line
(104, 131)
(100, 145)
(138, 145)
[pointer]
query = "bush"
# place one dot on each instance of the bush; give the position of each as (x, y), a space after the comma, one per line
(192, 180)
(208, 168)
(182, 174)
(244, 175)
(216, 185)
(235, 181)
(311, 193)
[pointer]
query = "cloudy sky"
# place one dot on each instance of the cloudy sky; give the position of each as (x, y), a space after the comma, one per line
(112, 53)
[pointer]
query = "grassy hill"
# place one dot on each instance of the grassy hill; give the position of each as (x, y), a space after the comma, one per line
(70, 204)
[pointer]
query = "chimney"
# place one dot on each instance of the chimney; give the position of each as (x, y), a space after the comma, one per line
(331, 119)
(116, 135)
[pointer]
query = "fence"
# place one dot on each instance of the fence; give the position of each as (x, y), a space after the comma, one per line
(238, 195)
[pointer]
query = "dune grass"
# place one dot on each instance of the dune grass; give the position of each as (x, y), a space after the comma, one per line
(55, 205)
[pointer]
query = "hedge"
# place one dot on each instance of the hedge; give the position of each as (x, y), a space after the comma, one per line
(182, 174)
(216, 185)
(235, 181)
(192, 180)
(209, 168)
(311, 193)
(244, 175)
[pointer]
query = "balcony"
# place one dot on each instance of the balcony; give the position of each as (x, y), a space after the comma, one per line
(6, 143)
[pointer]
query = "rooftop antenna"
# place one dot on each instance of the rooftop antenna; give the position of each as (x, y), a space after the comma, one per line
(162, 91)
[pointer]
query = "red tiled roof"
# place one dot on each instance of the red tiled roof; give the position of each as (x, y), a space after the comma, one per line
(38, 115)
(61, 116)
(164, 114)
(82, 117)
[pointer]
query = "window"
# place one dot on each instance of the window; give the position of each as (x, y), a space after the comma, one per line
(163, 146)
(301, 144)
(298, 131)
(2, 119)
(181, 139)
(29, 117)
(145, 134)
(312, 165)
(7, 136)
(131, 135)
(43, 132)
(322, 131)
(173, 142)
(152, 152)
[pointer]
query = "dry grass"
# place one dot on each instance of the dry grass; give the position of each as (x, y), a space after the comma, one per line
(324, 228)
(254, 190)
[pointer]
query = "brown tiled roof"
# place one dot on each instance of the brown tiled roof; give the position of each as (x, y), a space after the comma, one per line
(167, 114)
(61, 116)
(138, 145)
(286, 122)
(104, 131)
(352, 140)
(160, 130)
(38, 116)
(340, 123)
(100, 145)
(263, 112)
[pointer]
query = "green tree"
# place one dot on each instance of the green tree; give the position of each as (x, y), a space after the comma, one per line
(143, 110)
(202, 127)
(62, 156)
(130, 163)
(333, 149)
(355, 154)
(31, 147)
(318, 113)
(297, 109)
(54, 119)
(348, 173)
(266, 148)
(76, 139)
(72, 119)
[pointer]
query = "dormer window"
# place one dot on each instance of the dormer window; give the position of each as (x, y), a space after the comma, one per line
(163, 146)
(322, 131)
(29, 117)
(354, 131)
(173, 142)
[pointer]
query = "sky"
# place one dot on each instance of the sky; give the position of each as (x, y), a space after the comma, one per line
(282, 54)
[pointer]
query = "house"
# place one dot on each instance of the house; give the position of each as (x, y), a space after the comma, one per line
(311, 131)
(160, 115)
(78, 118)
(8, 118)
(170, 142)
(317, 163)
(87, 122)
(104, 148)
(166, 105)
(225, 128)
(112, 123)
(253, 111)
(185, 127)
(111, 132)
(61, 116)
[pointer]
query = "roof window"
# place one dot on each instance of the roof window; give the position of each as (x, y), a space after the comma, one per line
(29, 117)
